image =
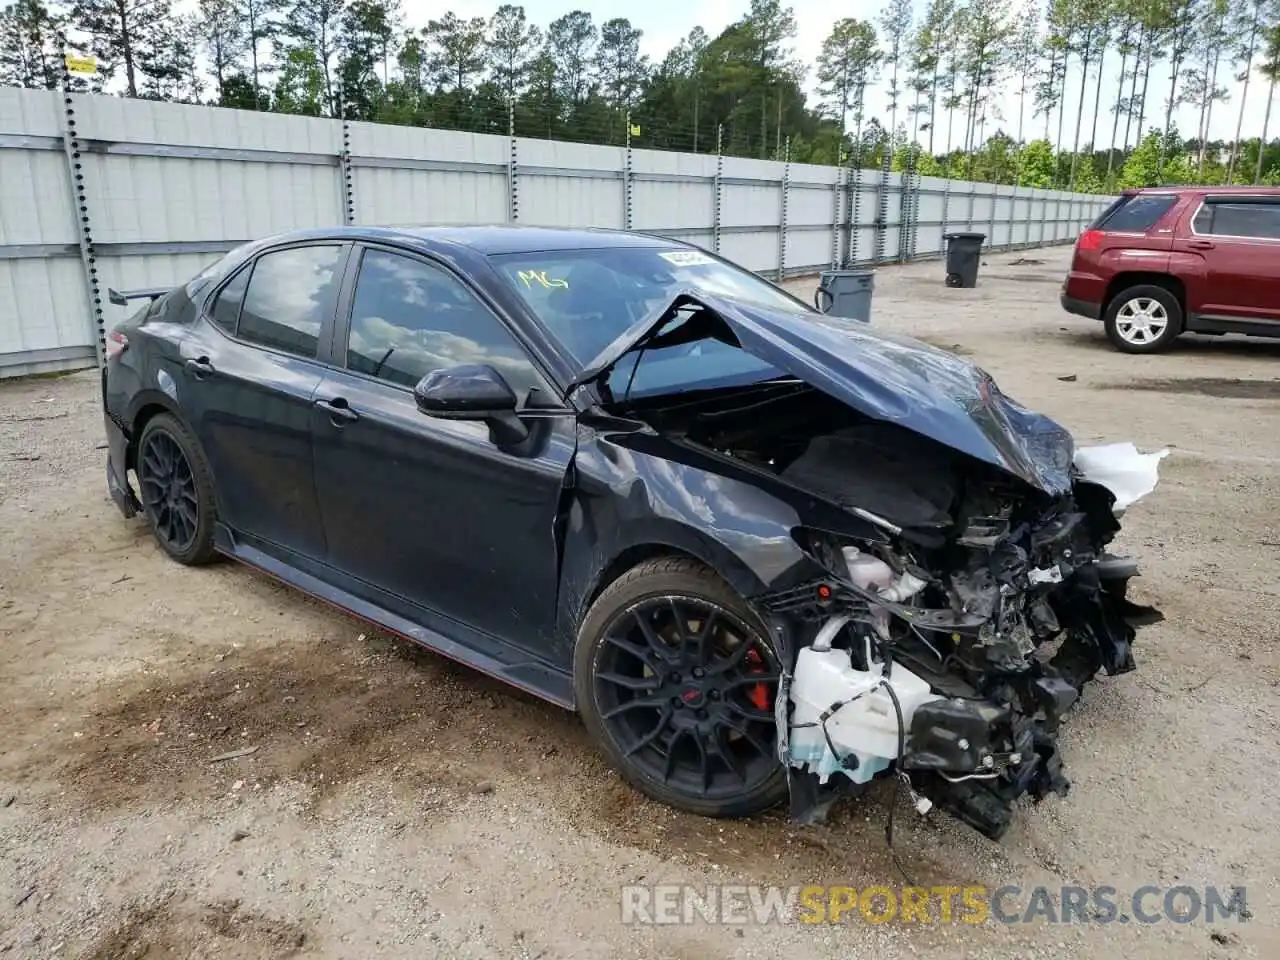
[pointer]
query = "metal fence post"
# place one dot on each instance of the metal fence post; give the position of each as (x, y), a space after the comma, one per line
(991, 227)
(782, 219)
(910, 206)
(835, 210)
(853, 203)
(626, 180)
(513, 167)
(882, 201)
(80, 204)
(946, 207)
(344, 163)
(1013, 211)
(719, 189)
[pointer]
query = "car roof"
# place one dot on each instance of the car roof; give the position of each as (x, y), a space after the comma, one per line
(488, 239)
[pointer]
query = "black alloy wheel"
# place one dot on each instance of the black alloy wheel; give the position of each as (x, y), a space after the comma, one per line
(682, 688)
(176, 492)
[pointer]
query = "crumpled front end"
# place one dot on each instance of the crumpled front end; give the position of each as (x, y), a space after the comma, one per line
(949, 659)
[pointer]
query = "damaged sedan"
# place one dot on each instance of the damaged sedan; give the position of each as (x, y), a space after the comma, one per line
(765, 553)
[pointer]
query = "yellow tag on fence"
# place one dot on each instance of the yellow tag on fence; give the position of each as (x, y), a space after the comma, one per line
(79, 64)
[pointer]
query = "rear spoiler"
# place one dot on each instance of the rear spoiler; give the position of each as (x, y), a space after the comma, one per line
(121, 298)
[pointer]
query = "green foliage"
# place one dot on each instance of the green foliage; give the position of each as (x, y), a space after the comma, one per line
(28, 45)
(1038, 166)
(947, 67)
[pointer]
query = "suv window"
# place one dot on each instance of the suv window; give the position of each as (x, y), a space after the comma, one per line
(409, 318)
(1239, 218)
(290, 294)
(1135, 214)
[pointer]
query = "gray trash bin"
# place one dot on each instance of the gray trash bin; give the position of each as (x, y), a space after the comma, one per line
(845, 293)
(964, 252)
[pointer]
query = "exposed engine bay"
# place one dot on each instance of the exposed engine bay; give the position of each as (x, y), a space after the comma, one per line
(944, 648)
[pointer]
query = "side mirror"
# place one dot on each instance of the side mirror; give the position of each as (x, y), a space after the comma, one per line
(472, 392)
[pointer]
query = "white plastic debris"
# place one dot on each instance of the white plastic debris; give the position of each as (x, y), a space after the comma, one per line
(837, 705)
(1120, 468)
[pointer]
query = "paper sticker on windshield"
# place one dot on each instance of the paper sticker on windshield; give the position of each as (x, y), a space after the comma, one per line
(687, 258)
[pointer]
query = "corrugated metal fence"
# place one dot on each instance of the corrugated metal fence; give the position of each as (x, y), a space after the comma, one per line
(100, 192)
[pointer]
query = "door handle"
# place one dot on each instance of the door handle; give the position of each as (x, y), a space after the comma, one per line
(1200, 244)
(200, 368)
(339, 411)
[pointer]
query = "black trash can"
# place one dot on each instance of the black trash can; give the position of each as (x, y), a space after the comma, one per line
(964, 251)
(846, 293)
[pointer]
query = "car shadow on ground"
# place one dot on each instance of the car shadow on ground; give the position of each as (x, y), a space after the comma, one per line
(1188, 344)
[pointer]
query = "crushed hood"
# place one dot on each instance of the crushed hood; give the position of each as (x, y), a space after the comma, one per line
(887, 377)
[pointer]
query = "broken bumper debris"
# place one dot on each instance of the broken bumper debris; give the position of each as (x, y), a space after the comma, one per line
(952, 666)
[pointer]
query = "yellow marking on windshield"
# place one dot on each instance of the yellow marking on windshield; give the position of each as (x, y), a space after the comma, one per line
(530, 277)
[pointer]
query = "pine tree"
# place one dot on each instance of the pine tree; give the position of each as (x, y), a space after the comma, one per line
(931, 46)
(29, 45)
(1024, 55)
(1270, 70)
(619, 68)
(847, 65)
(1250, 20)
(1181, 17)
(126, 33)
(456, 51)
(513, 44)
(222, 33)
(261, 21)
(895, 20)
(571, 43)
(315, 25)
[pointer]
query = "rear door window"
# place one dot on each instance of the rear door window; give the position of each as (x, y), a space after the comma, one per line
(1241, 218)
(1136, 214)
(291, 294)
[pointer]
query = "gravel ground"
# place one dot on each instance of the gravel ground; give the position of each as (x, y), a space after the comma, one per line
(398, 805)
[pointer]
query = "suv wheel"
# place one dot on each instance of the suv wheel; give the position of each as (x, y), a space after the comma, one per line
(1143, 319)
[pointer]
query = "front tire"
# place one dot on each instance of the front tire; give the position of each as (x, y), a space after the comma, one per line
(177, 490)
(1143, 319)
(675, 679)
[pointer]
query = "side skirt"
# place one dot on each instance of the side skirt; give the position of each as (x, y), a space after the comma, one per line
(517, 669)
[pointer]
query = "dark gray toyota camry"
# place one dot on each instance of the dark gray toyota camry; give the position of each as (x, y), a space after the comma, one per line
(762, 551)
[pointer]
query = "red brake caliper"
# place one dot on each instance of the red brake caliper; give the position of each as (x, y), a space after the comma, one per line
(757, 693)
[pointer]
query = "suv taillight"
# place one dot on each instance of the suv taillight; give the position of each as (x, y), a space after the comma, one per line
(1089, 240)
(117, 343)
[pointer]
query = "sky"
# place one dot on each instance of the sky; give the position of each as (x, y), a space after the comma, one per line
(665, 22)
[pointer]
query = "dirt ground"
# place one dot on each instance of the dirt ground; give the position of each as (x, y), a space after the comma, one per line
(398, 805)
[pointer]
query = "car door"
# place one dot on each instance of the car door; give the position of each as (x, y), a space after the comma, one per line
(251, 369)
(426, 514)
(1238, 237)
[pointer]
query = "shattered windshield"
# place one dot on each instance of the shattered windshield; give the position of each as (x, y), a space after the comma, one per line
(588, 298)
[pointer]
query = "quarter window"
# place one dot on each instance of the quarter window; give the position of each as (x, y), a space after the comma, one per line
(290, 294)
(1240, 219)
(226, 308)
(1138, 214)
(409, 318)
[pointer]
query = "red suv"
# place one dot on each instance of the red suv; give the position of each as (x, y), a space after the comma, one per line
(1165, 260)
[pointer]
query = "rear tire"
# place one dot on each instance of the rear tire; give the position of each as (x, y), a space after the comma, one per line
(177, 490)
(1143, 319)
(675, 679)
